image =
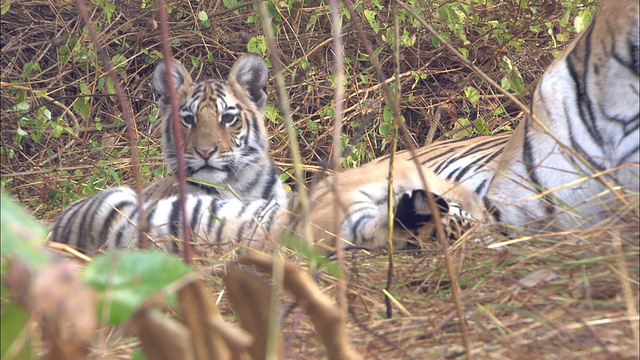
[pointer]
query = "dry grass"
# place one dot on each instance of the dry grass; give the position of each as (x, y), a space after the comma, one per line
(544, 297)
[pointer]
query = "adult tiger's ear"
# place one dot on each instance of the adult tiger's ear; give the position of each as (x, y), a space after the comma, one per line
(251, 73)
(413, 211)
(180, 77)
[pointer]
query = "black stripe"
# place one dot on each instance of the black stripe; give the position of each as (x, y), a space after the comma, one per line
(118, 238)
(245, 224)
(223, 224)
(109, 221)
(271, 181)
(623, 159)
(61, 228)
(476, 164)
(478, 189)
(195, 214)
(583, 103)
(174, 226)
(356, 225)
(489, 143)
(90, 213)
(213, 210)
(492, 209)
(529, 163)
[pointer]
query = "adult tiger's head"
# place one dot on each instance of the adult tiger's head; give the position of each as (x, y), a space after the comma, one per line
(224, 137)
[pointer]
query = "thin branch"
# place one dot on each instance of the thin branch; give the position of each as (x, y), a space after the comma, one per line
(177, 133)
(338, 50)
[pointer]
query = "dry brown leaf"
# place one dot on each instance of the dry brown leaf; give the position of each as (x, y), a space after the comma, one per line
(161, 337)
(63, 303)
(251, 297)
(198, 313)
(323, 312)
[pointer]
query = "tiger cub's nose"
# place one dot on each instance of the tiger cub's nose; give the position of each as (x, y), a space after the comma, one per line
(205, 153)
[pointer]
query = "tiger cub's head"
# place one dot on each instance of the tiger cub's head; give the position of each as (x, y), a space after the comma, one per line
(222, 120)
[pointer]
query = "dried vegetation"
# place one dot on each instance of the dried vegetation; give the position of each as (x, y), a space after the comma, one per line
(543, 297)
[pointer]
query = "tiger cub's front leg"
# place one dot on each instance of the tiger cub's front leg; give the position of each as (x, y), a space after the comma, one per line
(109, 220)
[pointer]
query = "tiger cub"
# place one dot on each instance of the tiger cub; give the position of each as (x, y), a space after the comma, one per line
(225, 142)
(235, 197)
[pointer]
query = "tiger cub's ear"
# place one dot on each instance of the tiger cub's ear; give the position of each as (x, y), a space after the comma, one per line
(251, 73)
(180, 77)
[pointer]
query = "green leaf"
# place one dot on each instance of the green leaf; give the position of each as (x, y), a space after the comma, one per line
(202, 16)
(370, 15)
(472, 95)
(15, 325)
(504, 82)
(582, 20)
(516, 81)
(195, 61)
(138, 354)
(272, 113)
(56, 130)
(448, 14)
(384, 129)
(110, 88)
(115, 176)
(230, 3)
(257, 45)
(387, 113)
(273, 10)
(23, 106)
(119, 62)
(40, 93)
(5, 7)
(128, 277)
(81, 106)
(20, 235)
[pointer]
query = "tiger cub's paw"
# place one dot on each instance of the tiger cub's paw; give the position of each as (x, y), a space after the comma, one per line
(413, 211)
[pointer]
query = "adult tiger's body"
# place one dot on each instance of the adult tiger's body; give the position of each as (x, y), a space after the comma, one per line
(589, 100)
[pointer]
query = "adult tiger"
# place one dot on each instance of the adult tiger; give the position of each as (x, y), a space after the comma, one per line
(589, 100)
(226, 147)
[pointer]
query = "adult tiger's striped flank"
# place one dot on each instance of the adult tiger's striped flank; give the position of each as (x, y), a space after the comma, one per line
(589, 100)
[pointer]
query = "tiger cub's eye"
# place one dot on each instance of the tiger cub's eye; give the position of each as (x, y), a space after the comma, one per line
(188, 120)
(228, 119)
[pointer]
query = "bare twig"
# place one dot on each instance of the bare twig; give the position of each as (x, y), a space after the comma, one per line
(177, 133)
(337, 134)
